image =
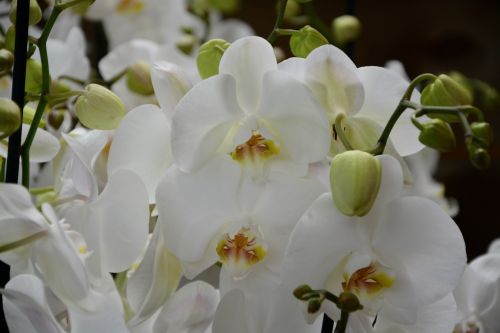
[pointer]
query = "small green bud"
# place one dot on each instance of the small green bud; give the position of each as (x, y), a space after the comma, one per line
(56, 118)
(479, 156)
(59, 87)
(82, 7)
(139, 78)
(10, 117)
(34, 77)
(292, 10)
(305, 40)
(99, 108)
(10, 38)
(349, 302)
(445, 91)
(226, 6)
(438, 135)
(355, 180)
(6, 60)
(186, 43)
(346, 28)
(482, 130)
(301, 291)
(209, 56)
(29, 114)
(35, 12)
(314, 305)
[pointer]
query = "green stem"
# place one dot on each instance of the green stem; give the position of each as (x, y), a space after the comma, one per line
(21, 242)
(285, 32)
(342, 323)
(316, 21)
(384, 137)
(72, 79)
(41, 190)
(415, 82)
(279, 20)
(2, 169)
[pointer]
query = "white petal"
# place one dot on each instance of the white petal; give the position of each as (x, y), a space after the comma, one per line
(230, 315)
(170, 84)
(202, 120)
(230, 30)
(494, 246)
(383, 92)
(292, 114)
(419, 234)
(190, 310)
(26, 308)
(294, 66)
(333, 78)
(142, 144)
(45, 146)
(247, 60)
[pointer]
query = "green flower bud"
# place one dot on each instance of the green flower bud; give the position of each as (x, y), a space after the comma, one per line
(226, 6)
(6, 60)
(10, 117)
(209, 56)
(35, 12)
(438, 135)
(99, 108)
(139, 78)
(445, 91)
(314, 305)
(82, 7)
(56, 118)
(479, 156)
(29, 114)
(34, 76)
(349, 302)
(301, 291)
(355, 180)
(186, 43)
(292, 10)
(306, 40)
(482, 130)
(10, 38)
(346, 28)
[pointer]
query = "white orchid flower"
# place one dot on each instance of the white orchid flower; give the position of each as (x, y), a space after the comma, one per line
(245, 227)
(404, 255)
(252, 111)
(422, 166)
(227, 29)
(478, 294)
(42, 241)
(365, 97)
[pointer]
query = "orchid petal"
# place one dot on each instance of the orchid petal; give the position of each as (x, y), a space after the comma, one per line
(170, 84)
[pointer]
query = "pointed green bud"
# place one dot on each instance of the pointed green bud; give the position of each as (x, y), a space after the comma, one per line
(6, 60)
(438, 135)
(56, 117)
(34, 77)
(10, 117)
(82, 7)
(139, 78)
(99, 108)
(346, 28)
(314, 305)
(10, 38)
(186, 43)
(479, 156)
(226, 6)
(209, 56)
(445, 91)
(35, 12)
(301, 291)
(305, 40)
(29, 114)
(349, 302)
(292, 10)
(355, 180)
(482, 130)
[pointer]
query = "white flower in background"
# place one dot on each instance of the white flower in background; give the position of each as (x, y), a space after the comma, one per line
(262, 117)
(365, 96)
(228, 29)
(147, 53)
(403, 256)
(47, 247)
(422, 166)
(478, 294)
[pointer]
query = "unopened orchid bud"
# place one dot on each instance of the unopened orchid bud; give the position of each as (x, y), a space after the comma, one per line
(226, 6)
(56, 118)
(349, 302)
(302, 291)
(6, 60)
(305, 40)
(445, 91)
(346, 28)
(99, 108)
(29, 115)
(438, 135)
(82, 7)
(355, 180)
(292, 10)
(34, 77)
(35, 12)
(186, 43)
(479, 156)
(209, 56)
(10, 38)
(10, 117)
(138, 78)
(314, 305)
(482, 130)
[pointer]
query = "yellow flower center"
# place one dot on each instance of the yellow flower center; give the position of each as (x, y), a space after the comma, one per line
(367, 281)
(241, 251)
(130, 6)
(256, 148)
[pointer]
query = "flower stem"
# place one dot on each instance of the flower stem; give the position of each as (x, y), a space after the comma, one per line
(327, 326)
(279, 20)
(342, 323)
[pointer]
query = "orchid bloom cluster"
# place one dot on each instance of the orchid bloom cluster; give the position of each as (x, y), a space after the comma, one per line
(200, 185)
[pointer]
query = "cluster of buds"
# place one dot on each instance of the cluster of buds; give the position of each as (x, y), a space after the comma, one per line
(346, 301)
